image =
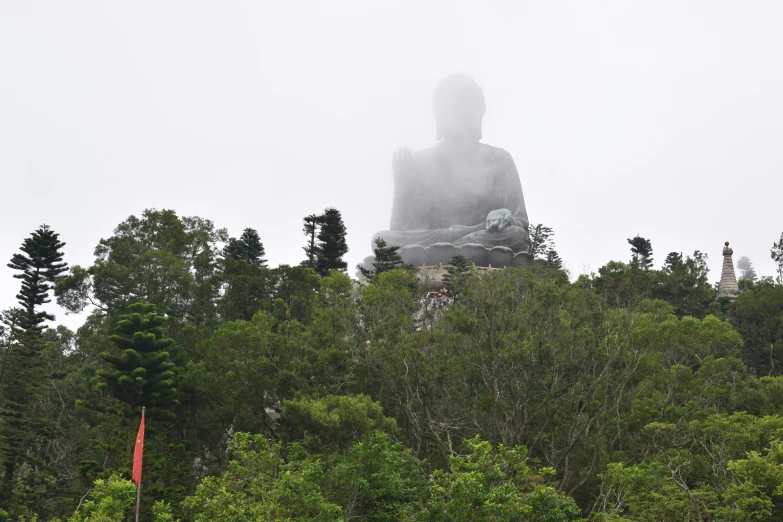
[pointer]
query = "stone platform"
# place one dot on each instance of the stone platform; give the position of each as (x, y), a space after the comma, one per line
(442, 253)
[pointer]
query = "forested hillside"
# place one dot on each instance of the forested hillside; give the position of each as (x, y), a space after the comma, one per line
(297, 393)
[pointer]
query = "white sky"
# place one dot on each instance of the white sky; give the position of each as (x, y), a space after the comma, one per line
(659, 118)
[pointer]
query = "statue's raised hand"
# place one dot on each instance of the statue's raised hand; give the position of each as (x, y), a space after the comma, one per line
(401, 162)
(498, 219)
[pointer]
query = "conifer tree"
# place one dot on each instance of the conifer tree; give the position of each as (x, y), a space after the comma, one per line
(457, 271)
(747, 272)
(332, 245)
(40, 262)
(310, 229)
(386, 258)
(642, 251)
(247, 247)
(540, 241)
(553, 259)
(776, 253)
(141, 374)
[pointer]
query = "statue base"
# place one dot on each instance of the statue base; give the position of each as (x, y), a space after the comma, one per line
(441, 254)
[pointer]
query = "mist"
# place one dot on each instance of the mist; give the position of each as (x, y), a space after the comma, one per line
(660, 119)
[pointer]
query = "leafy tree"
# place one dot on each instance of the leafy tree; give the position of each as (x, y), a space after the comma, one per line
(684, 284)
(642, 251)
(758, 317)
(260, 484)
(747, 272)
(494, 483)
(777, 256)
(141, 375)
(247, 289)
(247, 248)
(386, 258)
(112, 499)
(160, 259)
(332, 245)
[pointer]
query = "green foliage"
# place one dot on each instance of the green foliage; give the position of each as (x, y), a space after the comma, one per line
(247, 248)
(758, 316)
(334, 422)
(630, 394)
(641, 250)
(141, 374)
(112, 499)
(332, 245)
(776, 252)
(259, 484)
(457, 271)
(160, 259)
(494, 484)
(386, 258)
(40, 263)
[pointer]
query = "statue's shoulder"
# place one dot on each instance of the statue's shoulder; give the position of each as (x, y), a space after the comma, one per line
(493, 154)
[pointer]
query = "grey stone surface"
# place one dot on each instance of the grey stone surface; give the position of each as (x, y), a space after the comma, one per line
(461, 191)
(476, 253)
(500, 257)
(728, 279)
(441, 254)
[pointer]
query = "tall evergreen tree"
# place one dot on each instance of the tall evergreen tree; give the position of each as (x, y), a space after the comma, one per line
(553, 259)
(141, 374)
(642, 251)
(332, 245)
(457, 271)
(386, 258)
(310, 229)
(247, 247)
(40, 262)
(540, 241)
(777, 256)
(747, 272)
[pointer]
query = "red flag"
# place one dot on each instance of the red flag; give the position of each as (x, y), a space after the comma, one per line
(137, 453)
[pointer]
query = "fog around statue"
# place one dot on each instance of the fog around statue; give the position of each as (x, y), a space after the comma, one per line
(460, 196)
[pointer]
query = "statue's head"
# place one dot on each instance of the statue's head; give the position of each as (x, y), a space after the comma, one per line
(458, 104)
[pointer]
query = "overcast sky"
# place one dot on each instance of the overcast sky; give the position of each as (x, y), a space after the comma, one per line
(659, 118)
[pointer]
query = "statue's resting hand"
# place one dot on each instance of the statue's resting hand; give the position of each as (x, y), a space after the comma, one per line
(401, 162)
(497, 220)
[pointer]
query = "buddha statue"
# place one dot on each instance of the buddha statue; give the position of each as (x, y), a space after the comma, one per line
(460, 196)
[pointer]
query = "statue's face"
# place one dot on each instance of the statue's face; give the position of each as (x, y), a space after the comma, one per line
(459, 107)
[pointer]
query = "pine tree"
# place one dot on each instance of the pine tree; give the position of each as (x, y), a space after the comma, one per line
(141, 374)
(310, 229)
(642, 251)
(457, 271)
(332, 245)
(248, 248)
(540, 241)
(777, 256)
(747, 272)
(40, 263)
(553, 259)
(386, 258)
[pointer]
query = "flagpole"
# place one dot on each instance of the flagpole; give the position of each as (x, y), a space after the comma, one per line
(138, 500)
(138, 486)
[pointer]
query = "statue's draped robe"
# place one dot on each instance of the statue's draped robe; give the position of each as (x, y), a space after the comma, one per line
(444, 197)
